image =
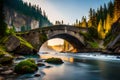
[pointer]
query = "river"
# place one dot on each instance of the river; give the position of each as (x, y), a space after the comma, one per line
(80, 66)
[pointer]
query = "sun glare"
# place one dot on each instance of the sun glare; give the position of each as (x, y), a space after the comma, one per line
(56, 41)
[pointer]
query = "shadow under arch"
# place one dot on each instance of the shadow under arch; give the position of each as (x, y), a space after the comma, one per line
(71, 39)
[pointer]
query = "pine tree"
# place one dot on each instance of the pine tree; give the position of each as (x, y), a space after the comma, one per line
(90, 21)
(111, 9)
(84, 22)
(108, 23)
(101, 33)
(76, 21)
(105, 12)
(90, 14)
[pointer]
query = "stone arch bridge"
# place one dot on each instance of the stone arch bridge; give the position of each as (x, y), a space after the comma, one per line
(69, 33)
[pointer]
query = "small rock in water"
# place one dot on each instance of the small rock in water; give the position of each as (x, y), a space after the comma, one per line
(40, 60)
(118, 57)
(37, 75)
(40, 64)
(20, 57)
(48, 66)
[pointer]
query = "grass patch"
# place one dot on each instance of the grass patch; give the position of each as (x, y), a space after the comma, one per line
(93, 44)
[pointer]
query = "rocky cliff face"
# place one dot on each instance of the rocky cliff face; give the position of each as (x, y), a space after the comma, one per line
(18, 20)
(114, 44)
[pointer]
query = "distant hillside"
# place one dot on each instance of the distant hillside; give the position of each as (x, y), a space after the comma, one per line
(24, 16)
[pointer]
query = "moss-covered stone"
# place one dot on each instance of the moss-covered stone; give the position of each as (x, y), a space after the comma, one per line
(5, 57)
(54, 60)
(17, 44)
(26, 66)
(31, 60)
(24, 42)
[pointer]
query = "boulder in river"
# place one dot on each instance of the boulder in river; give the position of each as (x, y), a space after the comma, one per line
(37, 75)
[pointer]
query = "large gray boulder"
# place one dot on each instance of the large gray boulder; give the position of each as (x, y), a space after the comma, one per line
(12, 43)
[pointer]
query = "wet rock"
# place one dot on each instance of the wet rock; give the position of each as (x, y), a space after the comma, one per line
(20, 57)
(26, 66)
(6, 59)
(40, 60)
(118, 57)
(40, 64)
(48, 66)
(37, 75)
(7, 72)
(2, 78)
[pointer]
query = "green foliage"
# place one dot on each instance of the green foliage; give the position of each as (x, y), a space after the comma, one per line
(54, 60)
(10, 32)
(86, 36)
(93, 44)
(26, 66)
(93, 32)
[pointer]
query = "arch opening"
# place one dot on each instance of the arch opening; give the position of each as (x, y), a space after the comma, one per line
(57, 45)
(74, 42)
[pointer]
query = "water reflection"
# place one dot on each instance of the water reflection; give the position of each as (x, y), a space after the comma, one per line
(82, 68)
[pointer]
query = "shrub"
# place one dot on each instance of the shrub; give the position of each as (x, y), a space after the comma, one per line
(54, 60)
(26, 66)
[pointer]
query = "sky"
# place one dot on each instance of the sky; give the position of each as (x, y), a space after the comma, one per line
(67, 10)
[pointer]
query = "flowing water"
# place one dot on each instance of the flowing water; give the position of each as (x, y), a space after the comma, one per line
(80, 66)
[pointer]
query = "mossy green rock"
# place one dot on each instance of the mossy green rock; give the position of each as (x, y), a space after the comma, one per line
(26, 66)
(54, 60)
(5, 58)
